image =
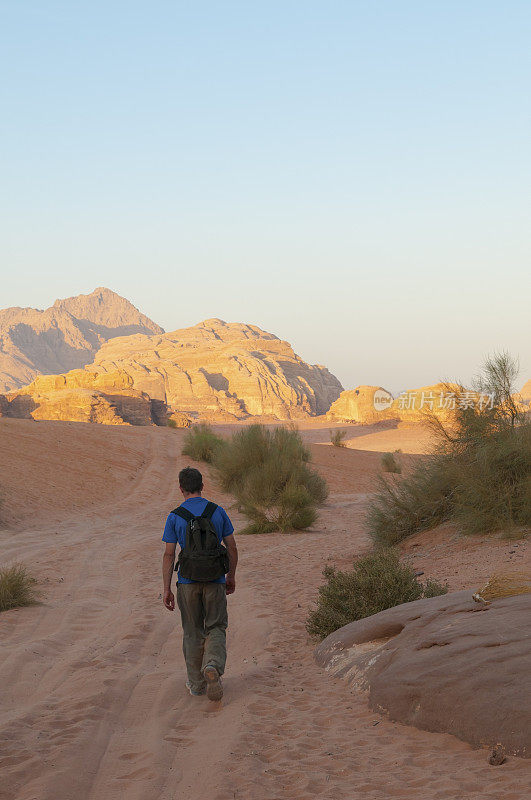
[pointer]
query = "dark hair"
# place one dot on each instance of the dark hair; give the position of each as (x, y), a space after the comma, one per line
(191, 480)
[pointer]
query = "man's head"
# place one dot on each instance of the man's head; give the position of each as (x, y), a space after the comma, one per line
(190, 481)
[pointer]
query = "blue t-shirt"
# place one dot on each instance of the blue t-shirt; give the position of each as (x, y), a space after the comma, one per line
(175, 528)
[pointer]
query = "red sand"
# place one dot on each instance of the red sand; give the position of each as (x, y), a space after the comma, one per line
(93, 696)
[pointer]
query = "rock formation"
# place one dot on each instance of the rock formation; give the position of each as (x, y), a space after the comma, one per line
(525, 393)
(368, 404)
(214, 370)
(81, 396)
(361, 405)
(221, 370)
(63, 337)
(444, 664)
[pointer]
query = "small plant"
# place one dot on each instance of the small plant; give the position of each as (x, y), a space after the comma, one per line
(389, 463)
(201, 443)
(337, 437)
(17, 588)
(378, 581)
(171, 423)
(268, 473)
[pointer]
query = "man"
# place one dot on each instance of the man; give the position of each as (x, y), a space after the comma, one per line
(203, 605)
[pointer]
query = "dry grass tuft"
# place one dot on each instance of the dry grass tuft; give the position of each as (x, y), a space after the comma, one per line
(390, 464)
(337, 437)
(508, 585)
(17, 588)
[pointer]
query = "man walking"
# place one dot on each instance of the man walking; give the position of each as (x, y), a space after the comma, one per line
(205, 535)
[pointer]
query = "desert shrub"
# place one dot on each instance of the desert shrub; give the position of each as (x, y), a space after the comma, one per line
(201, 443)
(378, 581)
(401, 507)
(171, 423)
(268, 473)
(337, 437)
(17, 587)
(493, 487)
(478, 475)
(389, 463)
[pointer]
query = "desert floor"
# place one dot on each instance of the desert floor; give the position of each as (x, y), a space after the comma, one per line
(94, 705)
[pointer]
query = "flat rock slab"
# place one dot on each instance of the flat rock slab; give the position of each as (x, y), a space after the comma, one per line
(444, 664)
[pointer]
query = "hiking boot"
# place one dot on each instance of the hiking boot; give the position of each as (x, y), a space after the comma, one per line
(195, 692)
(214, 689)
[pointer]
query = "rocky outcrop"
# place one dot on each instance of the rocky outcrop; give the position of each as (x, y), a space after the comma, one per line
(368, 404)
(81, 396)
(221, 370)
(65, 336)
(178, 420)
(444, 664)
(525, 393)
(364, 404)
(215, 370)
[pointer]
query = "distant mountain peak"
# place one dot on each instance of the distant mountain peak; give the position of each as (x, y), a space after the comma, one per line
(105, 307)
(65, 336)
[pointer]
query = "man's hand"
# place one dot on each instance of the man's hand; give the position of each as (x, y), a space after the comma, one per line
(168, 560)
(230, 585)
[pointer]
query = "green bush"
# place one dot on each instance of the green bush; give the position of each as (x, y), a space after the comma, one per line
(201, 443)
(337, 437)
(17, 588)
(268, 473)
(493, 486)
(378, 581)
(171, 423)
(479, 474)
(401, 507)
(389, 463)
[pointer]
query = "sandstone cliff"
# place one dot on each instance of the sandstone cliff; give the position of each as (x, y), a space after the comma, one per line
(359, 405)
(222, 370)
(81, 396)
(368, 404)
(214, 370)
(63, 337)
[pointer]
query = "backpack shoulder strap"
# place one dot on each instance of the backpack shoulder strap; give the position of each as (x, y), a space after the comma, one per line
(209, 510)
(183, 513)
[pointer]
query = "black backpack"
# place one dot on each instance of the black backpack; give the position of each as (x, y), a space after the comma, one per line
(203, 558)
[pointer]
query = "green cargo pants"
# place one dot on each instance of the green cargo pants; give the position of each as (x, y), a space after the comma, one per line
(203, 608)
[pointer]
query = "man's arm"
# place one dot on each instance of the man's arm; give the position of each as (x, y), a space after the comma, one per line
(168, 562)
(230, 544)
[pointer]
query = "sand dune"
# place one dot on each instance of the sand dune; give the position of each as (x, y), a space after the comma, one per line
(92, 680)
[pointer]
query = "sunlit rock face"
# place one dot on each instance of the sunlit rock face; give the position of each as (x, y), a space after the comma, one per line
(223, 370)
(369, 404)
(214, 370)
(82, 396)
(364, 404)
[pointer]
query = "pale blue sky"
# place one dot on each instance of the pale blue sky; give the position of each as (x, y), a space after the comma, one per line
(352, 176)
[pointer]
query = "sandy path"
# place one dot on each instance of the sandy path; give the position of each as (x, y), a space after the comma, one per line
(92, 681)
